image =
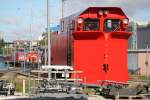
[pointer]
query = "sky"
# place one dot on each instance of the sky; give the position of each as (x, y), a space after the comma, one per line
(26, 19)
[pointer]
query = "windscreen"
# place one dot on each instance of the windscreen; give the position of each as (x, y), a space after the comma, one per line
(91, 24)
(112, 25)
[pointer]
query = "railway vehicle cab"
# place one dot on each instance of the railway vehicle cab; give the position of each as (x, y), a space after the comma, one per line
(95, 20)
(100, 44)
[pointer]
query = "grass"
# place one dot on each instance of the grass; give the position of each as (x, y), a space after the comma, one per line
(19, 84)
(28, 85)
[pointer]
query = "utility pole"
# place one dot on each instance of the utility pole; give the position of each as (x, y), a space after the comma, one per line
(31, 42)
(24, 62)
(14, 55)
(48, 32)
(63, 3)
(45, 50)
(49, 39)
(62, 9)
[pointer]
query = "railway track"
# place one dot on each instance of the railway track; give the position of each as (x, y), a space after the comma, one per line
(10, 70)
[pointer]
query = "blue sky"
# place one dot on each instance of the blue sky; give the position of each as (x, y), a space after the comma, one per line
(20, 19)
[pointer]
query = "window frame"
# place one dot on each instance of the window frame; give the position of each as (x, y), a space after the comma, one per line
(111, 29)
(62, 26)
(98, 29)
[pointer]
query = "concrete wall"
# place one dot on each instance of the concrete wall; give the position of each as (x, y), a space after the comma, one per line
(132, 61)
(137, 60)
(141, 63)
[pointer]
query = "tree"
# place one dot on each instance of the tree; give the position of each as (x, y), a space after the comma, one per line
(42, 42)
(2, 43)
(148, 25)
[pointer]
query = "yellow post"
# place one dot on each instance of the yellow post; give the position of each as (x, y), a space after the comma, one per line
(130, 97)
(23, 92)
(117, 97)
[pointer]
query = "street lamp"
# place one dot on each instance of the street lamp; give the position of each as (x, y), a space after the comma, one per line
(146, 62)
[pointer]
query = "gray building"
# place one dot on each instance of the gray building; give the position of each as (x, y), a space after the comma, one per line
(137, 48)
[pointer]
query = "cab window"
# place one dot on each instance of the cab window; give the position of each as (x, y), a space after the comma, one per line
(111, 25)
(91, 24)
(62, 26)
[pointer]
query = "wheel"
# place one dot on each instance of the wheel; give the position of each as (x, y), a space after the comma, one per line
(11, 92)
(6, 94)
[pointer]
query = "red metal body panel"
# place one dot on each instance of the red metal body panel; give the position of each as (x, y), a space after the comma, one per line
(27, 56)
(32, 57)
(89, 57)
(90, 50)
(20, 56)
(59, 48)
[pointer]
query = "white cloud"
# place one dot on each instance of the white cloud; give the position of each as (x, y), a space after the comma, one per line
(130, 6)
(24, 32)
